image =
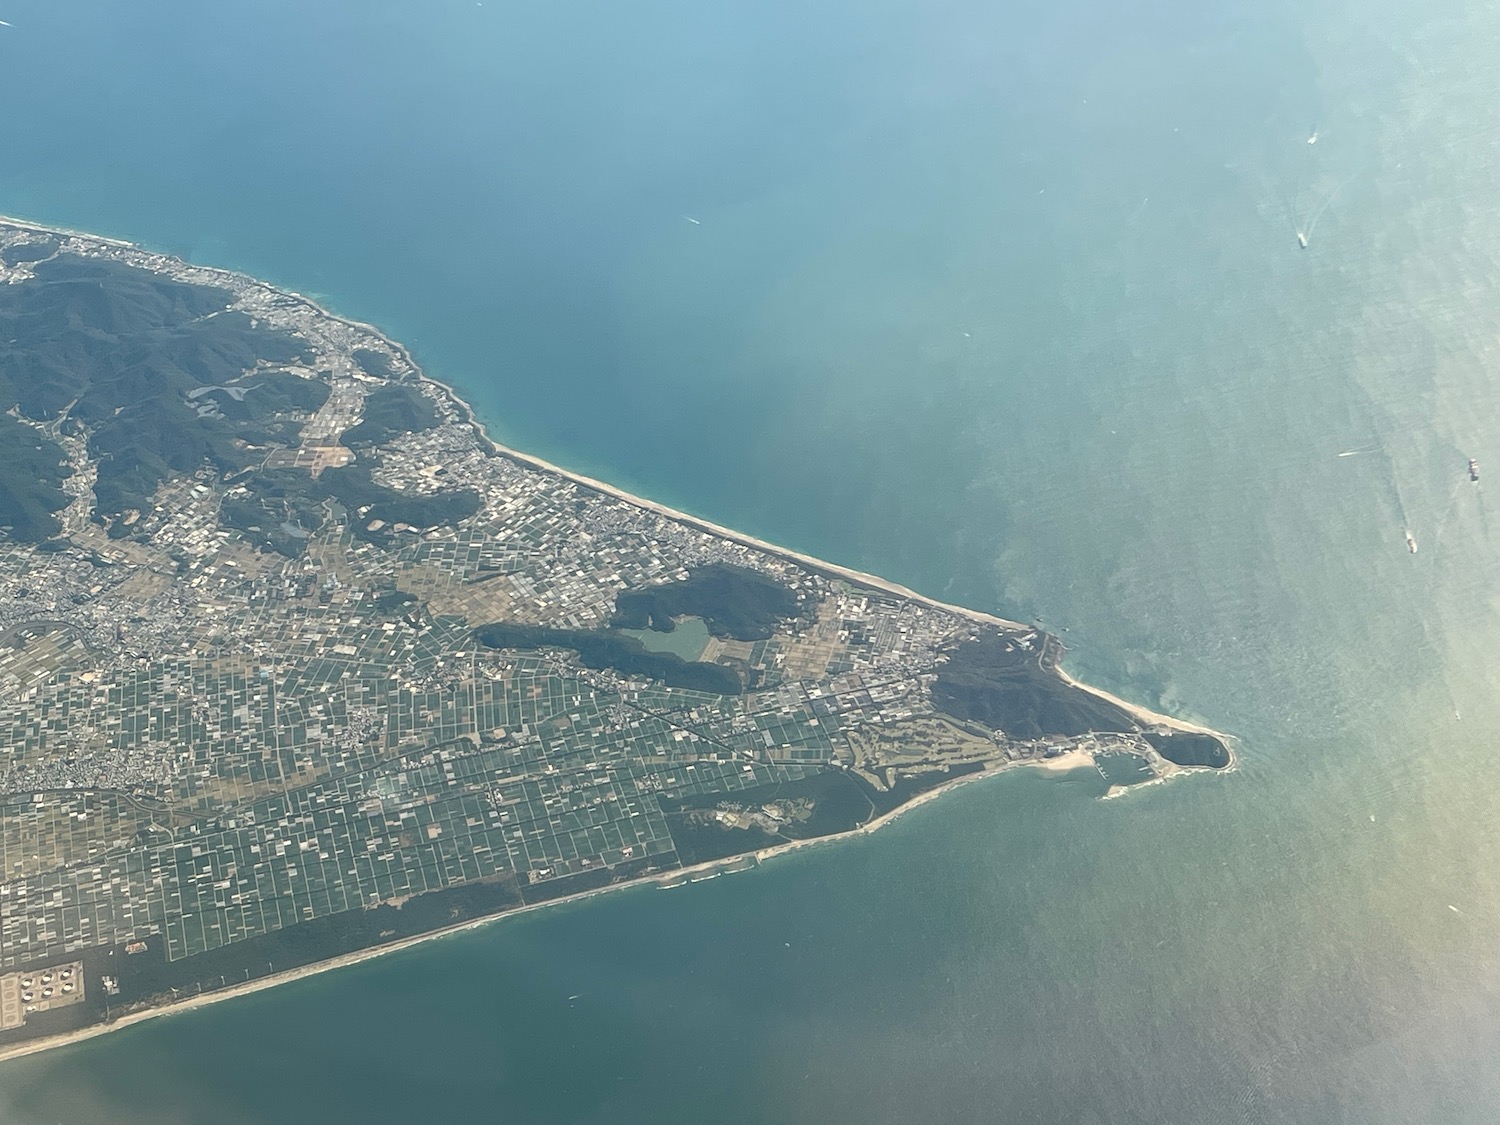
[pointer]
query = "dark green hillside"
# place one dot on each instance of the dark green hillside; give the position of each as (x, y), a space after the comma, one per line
(598, 648)
(123, 350)
(275, 508)
(352, 487)
(31, 475)
(734, 602)
(263, 396)
(390, 411)
(164, 379)
(278, 508)
(997, 682)
(1187, 748)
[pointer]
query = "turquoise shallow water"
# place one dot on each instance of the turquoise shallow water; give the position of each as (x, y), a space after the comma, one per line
(1004, 302)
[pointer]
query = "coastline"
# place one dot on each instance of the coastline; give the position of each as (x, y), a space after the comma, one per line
(1068, 762)
(1142, 714)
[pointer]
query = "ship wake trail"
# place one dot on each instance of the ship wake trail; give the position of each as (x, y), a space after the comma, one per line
(1380, 425)
(1455, 497)
(1327, 203)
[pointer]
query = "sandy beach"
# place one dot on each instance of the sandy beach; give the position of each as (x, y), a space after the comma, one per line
(230, 992)
(1143, 715)
(1064, 763)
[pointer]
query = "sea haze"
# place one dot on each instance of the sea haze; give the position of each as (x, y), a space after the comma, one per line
(1003, 301)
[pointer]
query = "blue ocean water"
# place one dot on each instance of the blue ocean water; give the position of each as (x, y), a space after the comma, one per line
(1006, 302)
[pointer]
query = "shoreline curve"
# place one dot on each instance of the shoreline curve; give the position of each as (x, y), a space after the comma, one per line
(1141, 714)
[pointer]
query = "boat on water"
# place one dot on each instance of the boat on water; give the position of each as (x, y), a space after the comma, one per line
(1411, 542)
(1302, 240)
(1474, 469)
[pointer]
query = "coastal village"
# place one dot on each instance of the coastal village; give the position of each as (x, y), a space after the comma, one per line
(217, 730)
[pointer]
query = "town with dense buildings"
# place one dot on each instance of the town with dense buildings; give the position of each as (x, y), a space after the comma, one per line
(296, 663)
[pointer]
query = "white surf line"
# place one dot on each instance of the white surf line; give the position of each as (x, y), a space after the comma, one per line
(1141, 713)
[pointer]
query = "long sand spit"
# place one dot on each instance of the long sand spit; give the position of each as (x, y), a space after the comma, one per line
(1063, 764)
